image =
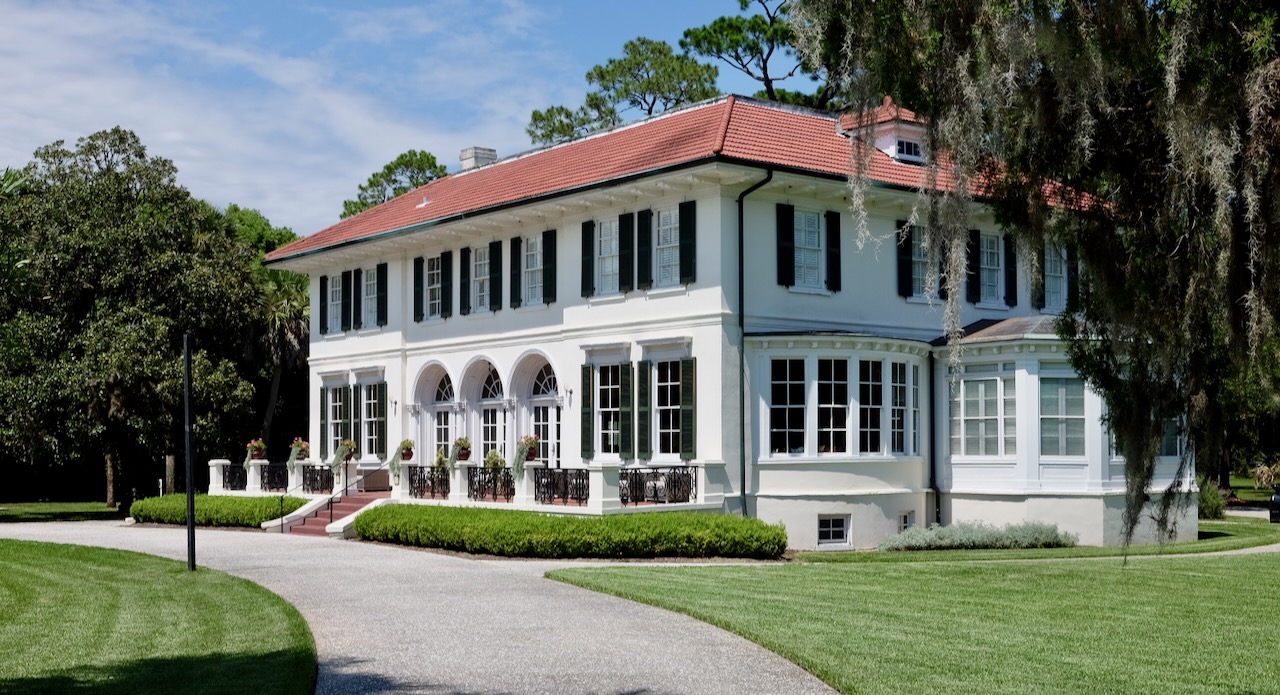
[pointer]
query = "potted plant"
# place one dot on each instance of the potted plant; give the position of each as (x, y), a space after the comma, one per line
(494, 460)
(257, 448)
(464, 448)
(442, 458)
(348, 450)
(301, 448)
(529, 445)
(406, 450)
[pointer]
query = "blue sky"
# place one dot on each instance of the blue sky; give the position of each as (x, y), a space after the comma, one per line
(287, 106)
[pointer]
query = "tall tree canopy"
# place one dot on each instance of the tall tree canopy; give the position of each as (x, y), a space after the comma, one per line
(762, 47)
(403, 174)
(122, 262)
(1143, 136)
(649, 78)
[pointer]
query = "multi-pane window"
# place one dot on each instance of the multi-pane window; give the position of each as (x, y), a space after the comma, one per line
(983, 412)
(668, 248)
(808, 249)
(609, 400)
(532, 275)
(369, 296)
(443, 410)
(373, 419)
(1171, 439)
(898, 407)
(1061, 417)
(833, 405)
(833, 529)
(546, 413)
(607, 264)
(1055, 279)
(337, 416)
(909, 150)
(480, 277)
(335, 304)
(906, 520)
(667, 406)
(492, 415)
(915, 409)
(870, 401)
(990, 267)
(435, 297)
(919, 261)
(786, 406)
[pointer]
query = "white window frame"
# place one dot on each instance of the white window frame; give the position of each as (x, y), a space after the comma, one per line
(369, 298)
(990, 275)
(871, 406)
(906, 520)
(784, 410)
(531, 271)
(909, 150)
(492, 416)
(666, 409)
(919, 263)
(337, 404)
(369, 419)
(608, 261)
(1001, 381)
(898, 408)
(442, 409)
(810, 270)
(480, 279)
(1061, 419)
(835, 528)
(335, 304)
(666, 247)
(1055, 279)
(609, 409)
(545, 396)
(828, 401)
(433, 289)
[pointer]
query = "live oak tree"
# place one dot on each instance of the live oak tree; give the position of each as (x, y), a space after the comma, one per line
(1141, 135)
(649, 78)
(403, 174)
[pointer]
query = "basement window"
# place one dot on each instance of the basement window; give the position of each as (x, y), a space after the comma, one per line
(833, 530)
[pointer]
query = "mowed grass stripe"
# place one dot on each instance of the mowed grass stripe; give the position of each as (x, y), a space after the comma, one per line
(73, 617)
(1061, 627)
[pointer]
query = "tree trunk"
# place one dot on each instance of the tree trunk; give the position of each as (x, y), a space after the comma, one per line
(168, 474)
(271, 405)
(111, 478)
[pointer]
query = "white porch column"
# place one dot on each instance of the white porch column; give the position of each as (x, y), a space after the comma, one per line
(604, 487)
(400, 484)
(255, 475)
(295, 476)
(215, 475)
(458, 482)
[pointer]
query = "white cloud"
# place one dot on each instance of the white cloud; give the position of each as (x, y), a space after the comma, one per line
(290, 135)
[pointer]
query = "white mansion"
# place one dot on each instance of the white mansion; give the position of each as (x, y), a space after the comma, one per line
(678, 311)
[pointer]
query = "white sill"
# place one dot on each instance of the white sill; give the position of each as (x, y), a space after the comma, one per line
(531, 307)
(606, 299)
(833, 545)
(810, 290)
(479, 312)
(993, 306)
(921, 299)
(668, 291)
(1053, 310)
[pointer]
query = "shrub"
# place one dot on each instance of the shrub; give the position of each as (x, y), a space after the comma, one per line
(532, 534)
(217, 510)
(974, 536)
(1212, 506)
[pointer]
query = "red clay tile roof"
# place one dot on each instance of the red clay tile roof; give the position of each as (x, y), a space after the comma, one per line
(732, 128)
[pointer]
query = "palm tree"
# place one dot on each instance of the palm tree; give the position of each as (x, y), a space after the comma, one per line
(286, 310)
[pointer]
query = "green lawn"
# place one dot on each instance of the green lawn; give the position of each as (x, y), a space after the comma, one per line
(1154, 626)
(1235, 533)
(11, 512)
(1248, 493)
(77, 619)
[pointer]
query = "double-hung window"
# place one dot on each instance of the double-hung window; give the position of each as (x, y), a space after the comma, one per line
(607, 261)
(983, 412)
(990, 272)
(1061, 416)
(338, 416)
(667, 243)
(833, 405)
(531, 277)
(1055, 279)
(786, 406)
(335, 304)
(919, 262)
(369, 296)
(435, 296)
(870, 402)
(480, 278)
(609, 405)
(808, 249)
(374, 419)
(667, 406)
(898, 407)
(493, 422)
(442, 410)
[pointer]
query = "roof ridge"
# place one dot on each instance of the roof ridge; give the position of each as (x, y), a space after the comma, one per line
(724, 124)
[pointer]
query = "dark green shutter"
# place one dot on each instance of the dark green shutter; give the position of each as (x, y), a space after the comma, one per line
(517, 265)
(905, 240)
(381, 281)
(1010, 271)
(549, 266)
(644, 410)
(644, 249)
(346, 300)
(357, 299)
(495, 275)
(973, 253)
(464, 281)
(324, 304)
(324, 423)
(833, 251)
(588, 413)
(688, 408)
(786, 244)
(588, 258)
(626, 252)
(688, 242)
(626, 413)
(355, 397)
(446, 284)
(382, 421)
(1037, 286)
(1073, 279)
(419, 312)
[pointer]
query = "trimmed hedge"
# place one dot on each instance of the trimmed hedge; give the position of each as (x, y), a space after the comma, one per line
(217, 510)
(980, 536)
(533, 534)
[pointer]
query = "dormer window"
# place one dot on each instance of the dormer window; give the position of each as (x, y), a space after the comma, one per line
(909, 151)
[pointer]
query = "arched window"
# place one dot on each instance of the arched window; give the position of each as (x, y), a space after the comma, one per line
(442, 412)
(493, 421)
(545, 412)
